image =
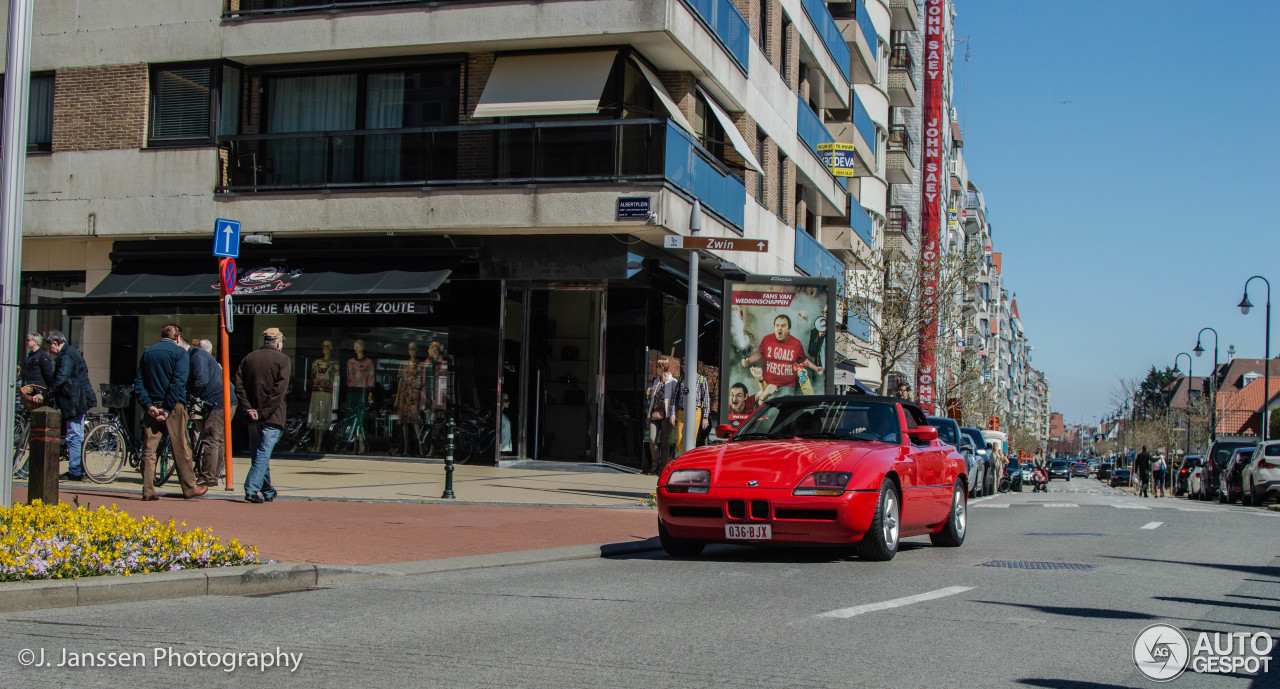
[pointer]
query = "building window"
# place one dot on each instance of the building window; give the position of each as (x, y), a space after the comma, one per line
(784, 63)
(710, 134)
(782, 186)
(39, 111)
(189, 100)
(764, 28)
(760, 146)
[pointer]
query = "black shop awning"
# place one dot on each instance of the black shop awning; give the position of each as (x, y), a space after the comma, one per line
(150, 285)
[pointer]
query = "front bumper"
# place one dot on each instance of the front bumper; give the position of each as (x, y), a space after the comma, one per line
(793, 519)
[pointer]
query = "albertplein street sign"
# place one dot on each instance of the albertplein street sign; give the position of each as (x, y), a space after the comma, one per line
(715, 244)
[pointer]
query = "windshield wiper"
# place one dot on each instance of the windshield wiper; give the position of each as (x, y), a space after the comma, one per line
(757, 436)
(823, 436)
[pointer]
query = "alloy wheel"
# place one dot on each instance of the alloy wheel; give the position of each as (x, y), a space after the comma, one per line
(891, 520)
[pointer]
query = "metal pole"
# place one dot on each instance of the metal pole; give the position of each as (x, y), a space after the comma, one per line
(448, 461)
(1186, 451)
(13, 145)
(1263, 424)
(224, 352)
(690, 376)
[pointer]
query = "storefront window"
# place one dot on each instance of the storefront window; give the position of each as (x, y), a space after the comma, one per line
(41, 299)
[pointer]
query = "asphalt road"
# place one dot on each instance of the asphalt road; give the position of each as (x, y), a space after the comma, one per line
(737, 616)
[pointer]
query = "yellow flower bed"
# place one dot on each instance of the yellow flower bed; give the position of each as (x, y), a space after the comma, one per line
(65, 541)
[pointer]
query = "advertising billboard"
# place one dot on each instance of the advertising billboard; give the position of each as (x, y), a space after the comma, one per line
(930, 211)
(779, 339)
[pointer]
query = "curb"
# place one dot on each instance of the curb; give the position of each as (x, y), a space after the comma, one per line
(254, 580)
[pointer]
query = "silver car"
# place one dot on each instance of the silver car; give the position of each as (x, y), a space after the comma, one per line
(1261, 477)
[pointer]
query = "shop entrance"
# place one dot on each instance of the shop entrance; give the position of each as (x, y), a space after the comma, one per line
(561, 375)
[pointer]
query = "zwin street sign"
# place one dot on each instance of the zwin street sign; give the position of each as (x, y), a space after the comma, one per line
(716, 243)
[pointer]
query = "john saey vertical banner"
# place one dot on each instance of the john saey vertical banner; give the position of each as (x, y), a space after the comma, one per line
(930, 211)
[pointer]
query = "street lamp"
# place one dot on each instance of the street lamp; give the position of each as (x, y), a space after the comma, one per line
(1190, 380)
(1266, 352)
(1213, 382)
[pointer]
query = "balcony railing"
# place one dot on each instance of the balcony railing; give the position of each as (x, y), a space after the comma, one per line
(830, 34)
(250, 8)
(900, 58)
(727, 24)
(899, 220)
(861, 222)
(862, 121)
(813, 131)
(814, 259)
(972, 199)
(591, 151)
(899, 139)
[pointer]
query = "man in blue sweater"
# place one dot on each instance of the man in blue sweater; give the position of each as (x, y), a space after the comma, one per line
(204, 388)
(161, 388)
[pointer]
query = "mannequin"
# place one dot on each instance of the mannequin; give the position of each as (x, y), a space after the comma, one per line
(324, 380)
(437, 378)
(359, 390)
(408, 404)
(504, 431)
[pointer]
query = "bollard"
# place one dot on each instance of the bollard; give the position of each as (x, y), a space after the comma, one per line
(448, 465)
(44, 454)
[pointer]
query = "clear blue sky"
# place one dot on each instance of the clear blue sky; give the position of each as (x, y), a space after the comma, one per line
(1130, 216)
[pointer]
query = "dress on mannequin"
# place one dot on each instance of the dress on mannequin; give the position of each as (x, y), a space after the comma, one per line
(408, 397)
(324, 380)
(360, 382)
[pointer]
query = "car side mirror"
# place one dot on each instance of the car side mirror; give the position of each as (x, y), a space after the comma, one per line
(923, 434)
(724, 430)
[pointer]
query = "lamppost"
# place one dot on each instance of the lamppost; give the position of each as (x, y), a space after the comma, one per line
(1187, 450)
(1266, 353)
(1213, 383)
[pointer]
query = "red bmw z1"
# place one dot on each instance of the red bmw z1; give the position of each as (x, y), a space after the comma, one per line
(856, 470)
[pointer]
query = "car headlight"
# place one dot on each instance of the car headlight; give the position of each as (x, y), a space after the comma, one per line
(823, 483)
(689, 481)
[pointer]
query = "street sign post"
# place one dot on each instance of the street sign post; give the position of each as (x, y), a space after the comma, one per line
(716, 244)
(226, 286)
(226, 238)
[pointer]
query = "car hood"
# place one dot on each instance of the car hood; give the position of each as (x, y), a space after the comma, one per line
(777, 463)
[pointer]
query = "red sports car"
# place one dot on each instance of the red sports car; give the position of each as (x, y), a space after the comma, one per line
(857, 470)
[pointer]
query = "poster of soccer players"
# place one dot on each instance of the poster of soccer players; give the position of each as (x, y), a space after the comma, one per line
(779, 340)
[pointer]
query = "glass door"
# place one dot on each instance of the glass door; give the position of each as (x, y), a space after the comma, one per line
(564, 332)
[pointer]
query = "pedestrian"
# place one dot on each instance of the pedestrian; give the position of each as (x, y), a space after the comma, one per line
(1160, 472)
(261, 383)
(160, 387)
(998, 459)
(659, 413)
(903, 391)
(72, 394)
(204, 389)
(37, 369)
(1142, 465)
(702, 403)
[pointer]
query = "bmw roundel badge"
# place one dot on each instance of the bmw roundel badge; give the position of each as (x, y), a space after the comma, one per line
(753, 483)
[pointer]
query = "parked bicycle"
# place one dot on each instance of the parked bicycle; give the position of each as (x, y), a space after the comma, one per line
(110, 444)
(22, 437)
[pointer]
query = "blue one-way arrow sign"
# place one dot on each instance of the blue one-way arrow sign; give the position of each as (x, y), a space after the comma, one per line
(226, 238)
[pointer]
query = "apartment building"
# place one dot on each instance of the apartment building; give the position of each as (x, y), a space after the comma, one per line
(462, 202)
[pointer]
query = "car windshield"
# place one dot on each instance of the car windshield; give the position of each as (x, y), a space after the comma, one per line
(1057, 463)
(829, 419)
(946, 430)
(1222, 453)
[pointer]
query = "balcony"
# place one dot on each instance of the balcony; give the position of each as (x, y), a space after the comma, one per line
(902, 80)
(906, 16)
(860, 34)
(899, 221)
(727, 24)
(973, 202)
(814, 260)
(813, 132)
(898, 166)
(252, 8)
(839, 234)
(861, 132)
(589, 152)
(834, 42)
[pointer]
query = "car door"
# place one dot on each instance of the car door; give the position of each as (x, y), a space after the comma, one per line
(930, 498)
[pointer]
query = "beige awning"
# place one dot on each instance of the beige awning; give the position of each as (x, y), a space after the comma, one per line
(667, 101)
(549, 84)
(735, 137)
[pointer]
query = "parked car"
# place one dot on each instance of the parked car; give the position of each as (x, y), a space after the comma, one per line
(1229, 485)
(1261, 476)
(1093, 466)
(949, 433)
(1080, 469)
(1189, 464)
(1219, 454)
(1104, 470)
(1120, 477)
(988, 477)
(1059, 468)
(855, 470)
(1195, 484)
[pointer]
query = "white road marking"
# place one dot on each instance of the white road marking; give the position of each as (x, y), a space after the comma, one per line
(1060, 504)
(895, 603)
(1005, 504)
(981, 499)
(1132, 507)
(1190, 509)
(1153, 525)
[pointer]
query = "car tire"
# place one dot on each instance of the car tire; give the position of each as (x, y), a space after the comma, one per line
(1246, 496)
(880, 543)
(953, 531)
(678, 547)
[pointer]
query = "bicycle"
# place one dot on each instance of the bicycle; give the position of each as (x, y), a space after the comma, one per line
(22, 439)
(110, 444)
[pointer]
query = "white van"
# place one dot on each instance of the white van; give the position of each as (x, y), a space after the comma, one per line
(997, 438)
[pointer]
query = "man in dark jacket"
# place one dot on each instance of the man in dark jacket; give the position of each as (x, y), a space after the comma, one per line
(261, 383)
(1142, 466)
(38, 368)
(204, 388)
(72, 394)
(161, 389)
